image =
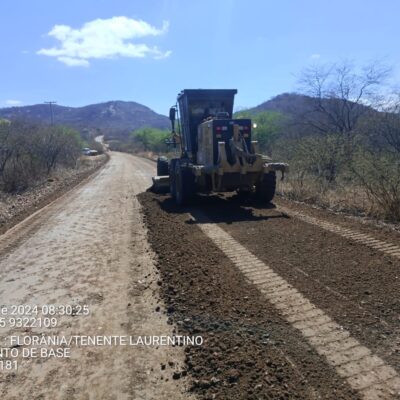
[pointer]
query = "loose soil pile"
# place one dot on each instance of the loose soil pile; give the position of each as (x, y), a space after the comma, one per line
(249, 351)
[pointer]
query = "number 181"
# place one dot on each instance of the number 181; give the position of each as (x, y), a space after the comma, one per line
(8, 365)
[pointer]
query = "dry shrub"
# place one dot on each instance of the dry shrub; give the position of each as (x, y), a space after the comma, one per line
(350, 199)
(30, 152)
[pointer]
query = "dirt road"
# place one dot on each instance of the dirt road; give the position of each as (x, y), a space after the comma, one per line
(292, 302)
(89, 248)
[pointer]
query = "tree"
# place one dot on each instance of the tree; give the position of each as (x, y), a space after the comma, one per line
(28, 152)
(150, 139)
(376, 164)
(341, 95)
(269, 127)
(6, 149)
(56, 143)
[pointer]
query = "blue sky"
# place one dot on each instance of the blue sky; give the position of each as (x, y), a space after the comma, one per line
(79, 52)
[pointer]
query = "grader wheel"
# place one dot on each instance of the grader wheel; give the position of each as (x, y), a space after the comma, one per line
(265, 189)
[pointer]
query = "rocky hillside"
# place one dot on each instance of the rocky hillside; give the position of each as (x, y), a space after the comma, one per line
(119, 117)
(299, 105)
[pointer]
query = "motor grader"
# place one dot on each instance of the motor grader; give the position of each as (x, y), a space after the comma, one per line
(217, 153)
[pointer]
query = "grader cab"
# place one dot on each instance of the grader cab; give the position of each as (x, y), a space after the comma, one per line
(217, 153)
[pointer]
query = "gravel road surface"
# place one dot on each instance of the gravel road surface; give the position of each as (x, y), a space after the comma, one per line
(89, 248)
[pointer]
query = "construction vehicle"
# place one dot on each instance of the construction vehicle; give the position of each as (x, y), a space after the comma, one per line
(217, 153)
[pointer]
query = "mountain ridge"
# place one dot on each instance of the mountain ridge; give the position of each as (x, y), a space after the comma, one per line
(119, 118)
(114, 116)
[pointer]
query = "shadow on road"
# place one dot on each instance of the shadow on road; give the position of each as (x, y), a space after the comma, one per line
(222, 209)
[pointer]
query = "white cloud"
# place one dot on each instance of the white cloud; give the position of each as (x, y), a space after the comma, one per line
(13, 103)
(163, 55)
(74, 62)
(315, 56)
(104, 38)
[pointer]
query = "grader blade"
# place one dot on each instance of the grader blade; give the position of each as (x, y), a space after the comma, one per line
(160, 184)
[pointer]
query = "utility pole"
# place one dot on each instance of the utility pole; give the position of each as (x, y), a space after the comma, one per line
(50, 103)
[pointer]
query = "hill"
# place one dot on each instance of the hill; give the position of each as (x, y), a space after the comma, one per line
(307, 115)
(113, 117)
(287, 103)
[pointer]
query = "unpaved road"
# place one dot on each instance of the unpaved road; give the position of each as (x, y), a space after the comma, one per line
(89, 248)
(292, 303)
(290, 306)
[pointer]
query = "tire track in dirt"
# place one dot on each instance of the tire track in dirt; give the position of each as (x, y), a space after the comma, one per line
(355, 285)
(250, 351)
(364, 371)
(368, 240)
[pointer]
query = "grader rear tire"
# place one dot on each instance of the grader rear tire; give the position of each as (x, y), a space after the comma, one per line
(265, 190)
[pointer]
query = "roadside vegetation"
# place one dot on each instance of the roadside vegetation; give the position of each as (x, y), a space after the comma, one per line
(344, 147)
(342, 144)
(269, 127)
(29, 153)
(147, 141)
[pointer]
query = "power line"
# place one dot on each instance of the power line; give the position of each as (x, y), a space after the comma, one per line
(50, 103)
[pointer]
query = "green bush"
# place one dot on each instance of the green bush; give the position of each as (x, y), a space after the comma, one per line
(150, 139)
(270, 125)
